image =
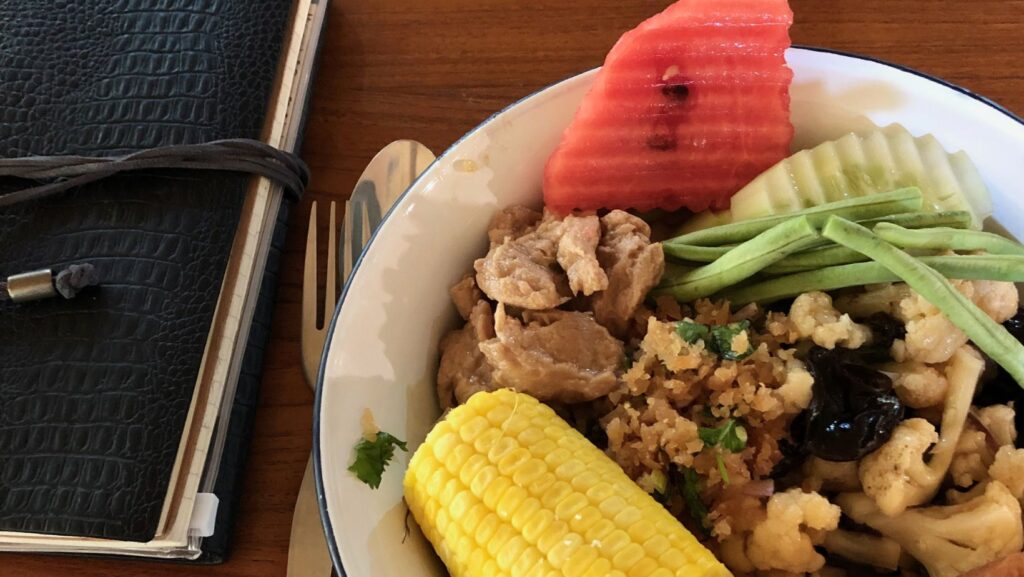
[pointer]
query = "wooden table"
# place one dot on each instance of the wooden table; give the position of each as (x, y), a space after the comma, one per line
(432, 69)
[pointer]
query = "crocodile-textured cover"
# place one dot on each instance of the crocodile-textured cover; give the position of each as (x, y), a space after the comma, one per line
(94, 392)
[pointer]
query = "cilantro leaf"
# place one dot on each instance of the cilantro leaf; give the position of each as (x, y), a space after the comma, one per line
(721, 340)
(717, 338)
(730, 436)
(692, 332)
(691, 494)
(373, 456)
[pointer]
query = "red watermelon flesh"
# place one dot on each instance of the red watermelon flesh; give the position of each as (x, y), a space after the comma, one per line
(689, 107)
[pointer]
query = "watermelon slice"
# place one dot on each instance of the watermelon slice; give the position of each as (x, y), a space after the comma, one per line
(690, 106)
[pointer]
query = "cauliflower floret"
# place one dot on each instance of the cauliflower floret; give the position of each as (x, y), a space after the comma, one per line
(948, 540)
(814, 317)
(999, 420)
(998, 299)
(931, 336)
(974, 453)
(1008, 469)
(896, 475)
(972, 457)
(919, 386)
(894, 472)
(797, 390)
(795, 523)
(933, 339)
(819, 474)
(915, 305)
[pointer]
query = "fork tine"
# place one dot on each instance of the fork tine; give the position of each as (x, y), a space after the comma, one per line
(330, 291)
(309, 277)
(348, 240)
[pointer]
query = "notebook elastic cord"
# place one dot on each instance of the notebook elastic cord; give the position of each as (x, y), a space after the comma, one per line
(57, 174)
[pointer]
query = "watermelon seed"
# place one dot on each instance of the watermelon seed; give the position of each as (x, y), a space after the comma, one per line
(675, 91)
(661, 142)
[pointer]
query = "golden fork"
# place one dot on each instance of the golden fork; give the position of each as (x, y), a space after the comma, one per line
(307, 551)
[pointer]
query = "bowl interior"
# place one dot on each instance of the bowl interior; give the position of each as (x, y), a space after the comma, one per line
(383, 345)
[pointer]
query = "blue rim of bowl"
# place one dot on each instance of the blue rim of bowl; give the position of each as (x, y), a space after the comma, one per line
(332, 544)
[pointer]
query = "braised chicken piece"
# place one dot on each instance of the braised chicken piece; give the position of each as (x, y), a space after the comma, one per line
(545, 265)
(463, 369)
(465, 294)
(558, 356)
(577, 254)
(634, 265)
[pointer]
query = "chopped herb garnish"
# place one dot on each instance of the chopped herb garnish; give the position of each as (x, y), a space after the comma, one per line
(721, 469)
(691, 494)
(717, 338)
(730, 436)
(722, 337)
(692, 332)
(372, 457)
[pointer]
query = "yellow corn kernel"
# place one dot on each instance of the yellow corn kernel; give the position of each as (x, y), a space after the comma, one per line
(529, 472)
(510, 502)
(628, 557)
(503, 487)
(527, 510)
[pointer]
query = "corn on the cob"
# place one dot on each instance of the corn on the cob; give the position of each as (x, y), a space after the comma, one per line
(504, 487)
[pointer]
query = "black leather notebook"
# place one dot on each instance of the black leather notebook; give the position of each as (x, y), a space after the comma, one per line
(96, 392)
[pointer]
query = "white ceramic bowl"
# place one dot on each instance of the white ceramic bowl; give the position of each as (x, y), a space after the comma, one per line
(382, 351)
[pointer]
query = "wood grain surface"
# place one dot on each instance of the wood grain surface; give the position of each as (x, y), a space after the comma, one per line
(430, 70)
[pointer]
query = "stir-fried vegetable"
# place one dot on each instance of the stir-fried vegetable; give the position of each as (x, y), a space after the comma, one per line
(854, 409)
(904, 200)
(947, 238)
(988, 335)
(816, 259)
(915, 220)
(687, 251)
(694, 252)
(742, 262)
(980, 267)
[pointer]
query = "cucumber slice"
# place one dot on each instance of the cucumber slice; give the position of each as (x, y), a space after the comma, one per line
(853, 166)
(806, 178)
(880, 164)
(973, 186)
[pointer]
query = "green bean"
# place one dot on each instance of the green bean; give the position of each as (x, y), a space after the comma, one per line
(831, 255)
(947, 238)
(673, 269)
(741, 262)
(694, 253)
(980, 267)
(825, 252)
(987, 335)
(950, 218)
(860, 208)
